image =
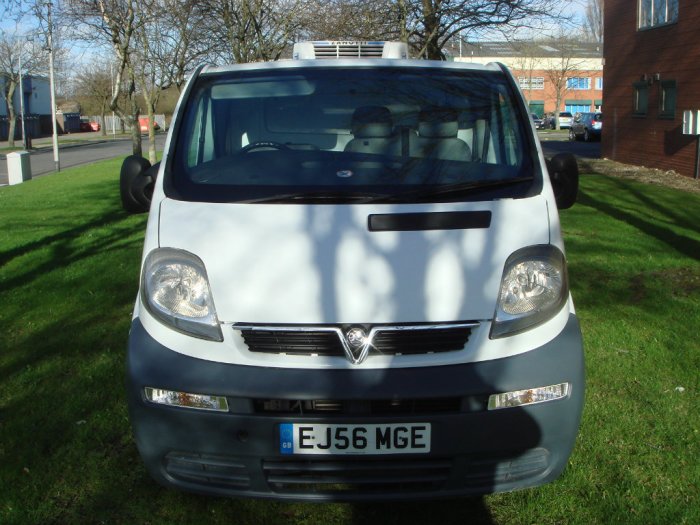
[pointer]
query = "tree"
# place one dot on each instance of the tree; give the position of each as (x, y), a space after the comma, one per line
(148, 69)
(155, 42)
(593, 21)
(256, 30)
(114, 21)
(431, 24)
(13, 50)
(184, 40)
(527, 60)
(559, 69)
(167, 44)
(93, 88)
(353, 20)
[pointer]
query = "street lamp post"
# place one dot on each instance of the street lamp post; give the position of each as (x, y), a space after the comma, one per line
(111, 78)
(56, 159)
(21, 100)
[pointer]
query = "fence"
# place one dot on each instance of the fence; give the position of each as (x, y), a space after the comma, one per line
(119, 126)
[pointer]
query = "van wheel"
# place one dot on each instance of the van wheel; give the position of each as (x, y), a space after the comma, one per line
(572, 135)
(136, 184)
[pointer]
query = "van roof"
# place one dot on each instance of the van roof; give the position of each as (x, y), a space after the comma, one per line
(351, 63)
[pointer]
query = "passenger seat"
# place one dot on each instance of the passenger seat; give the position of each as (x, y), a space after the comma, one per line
(437, 136)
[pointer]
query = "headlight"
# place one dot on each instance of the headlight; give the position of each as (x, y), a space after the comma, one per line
(175, 289)
(534, 287)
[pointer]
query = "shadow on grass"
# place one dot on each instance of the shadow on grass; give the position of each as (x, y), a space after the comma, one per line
(73, 233)
(681, 243)
(63, 253)
(64, 437)
(464, 510)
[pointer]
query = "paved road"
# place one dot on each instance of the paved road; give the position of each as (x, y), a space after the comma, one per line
(76, 155)
(558, 142)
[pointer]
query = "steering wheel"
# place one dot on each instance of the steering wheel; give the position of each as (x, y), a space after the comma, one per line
(263, 144)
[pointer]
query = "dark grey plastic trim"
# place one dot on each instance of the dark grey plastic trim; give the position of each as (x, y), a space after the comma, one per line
(453, 220)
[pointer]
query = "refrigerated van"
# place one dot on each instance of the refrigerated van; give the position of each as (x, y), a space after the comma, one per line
(353, 286)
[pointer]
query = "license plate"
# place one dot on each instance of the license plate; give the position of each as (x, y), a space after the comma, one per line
(317, 438)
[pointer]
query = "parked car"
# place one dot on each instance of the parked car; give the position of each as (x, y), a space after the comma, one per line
(351, 292)
(537, 120)
(88, 125)
(565, 120)
(143, 125)
(586, 126)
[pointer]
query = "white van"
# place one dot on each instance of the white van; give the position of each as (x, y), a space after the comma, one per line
(353, 287)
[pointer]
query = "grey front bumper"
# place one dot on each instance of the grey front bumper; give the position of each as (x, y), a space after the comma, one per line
(473, 450)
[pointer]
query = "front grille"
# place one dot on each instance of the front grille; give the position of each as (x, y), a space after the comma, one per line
(356, 475)
(421, 341)
(328, 340)
(376, 407)
(212, 471)
(293, 342)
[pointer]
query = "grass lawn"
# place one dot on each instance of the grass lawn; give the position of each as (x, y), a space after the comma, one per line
(69, 263)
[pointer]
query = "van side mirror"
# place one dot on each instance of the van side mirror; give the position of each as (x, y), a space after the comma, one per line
(136, 180)
(563, 173)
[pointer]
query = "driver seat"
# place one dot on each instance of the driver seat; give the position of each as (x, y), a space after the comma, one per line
(372, 129)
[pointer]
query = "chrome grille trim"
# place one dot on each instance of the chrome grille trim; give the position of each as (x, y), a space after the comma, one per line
(331, 340)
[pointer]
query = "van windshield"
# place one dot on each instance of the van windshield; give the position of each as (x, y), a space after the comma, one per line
(337, 135)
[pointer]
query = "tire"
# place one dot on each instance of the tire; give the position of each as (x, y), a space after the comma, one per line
(586, 135)
(135, 184)
(572, 135)
(563, 173)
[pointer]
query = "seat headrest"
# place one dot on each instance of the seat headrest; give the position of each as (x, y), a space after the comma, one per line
(438, 122)
(371, 122)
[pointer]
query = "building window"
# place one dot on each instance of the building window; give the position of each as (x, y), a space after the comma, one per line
(667, 99)
(531, 83)
(654, 13)
(581, 106)
(641, 98)
(599, 83)
(578, 83)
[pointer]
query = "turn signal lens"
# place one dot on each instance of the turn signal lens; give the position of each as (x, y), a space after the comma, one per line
(185, 400)
(531, 396)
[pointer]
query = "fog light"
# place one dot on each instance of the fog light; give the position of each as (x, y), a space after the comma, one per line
(531, 396)
(185, 400)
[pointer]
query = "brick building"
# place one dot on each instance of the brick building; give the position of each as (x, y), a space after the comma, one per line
(577, 68)
(652, 74)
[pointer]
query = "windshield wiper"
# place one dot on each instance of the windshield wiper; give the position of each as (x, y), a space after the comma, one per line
(436, 191)
(317, 196)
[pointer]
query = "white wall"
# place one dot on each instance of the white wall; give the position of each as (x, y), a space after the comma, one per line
(539, 63)
(39, 101)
